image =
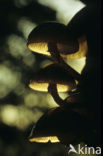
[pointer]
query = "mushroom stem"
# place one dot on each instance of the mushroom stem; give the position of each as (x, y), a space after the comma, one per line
(52, 89)
(58, 59)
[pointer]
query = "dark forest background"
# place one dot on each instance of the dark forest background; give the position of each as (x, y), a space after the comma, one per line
(21, 107)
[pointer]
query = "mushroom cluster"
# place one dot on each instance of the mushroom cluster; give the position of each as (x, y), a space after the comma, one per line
(67, 123)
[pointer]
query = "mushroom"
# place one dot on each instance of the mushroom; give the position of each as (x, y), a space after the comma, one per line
(57, 33)
(60, 125)
(53, 78)
(83, 49)
(54, 39)
(52, 32)
(41, 136)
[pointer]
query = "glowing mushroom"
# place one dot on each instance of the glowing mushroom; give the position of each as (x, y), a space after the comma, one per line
(52, 32)
(53, 78)
(54, 39)
(60, 125)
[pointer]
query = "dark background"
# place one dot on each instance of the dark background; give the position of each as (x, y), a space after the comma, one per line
(21, 107)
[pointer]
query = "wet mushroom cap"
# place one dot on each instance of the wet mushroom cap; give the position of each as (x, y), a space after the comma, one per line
(59, 125)
(55, 74)
(52, 32)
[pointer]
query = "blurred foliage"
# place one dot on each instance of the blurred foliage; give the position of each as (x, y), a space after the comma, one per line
(20, 107)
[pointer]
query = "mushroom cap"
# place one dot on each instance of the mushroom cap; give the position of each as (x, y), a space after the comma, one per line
(53, 32)
(59, 125)
(82, 51)
(55, 74)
